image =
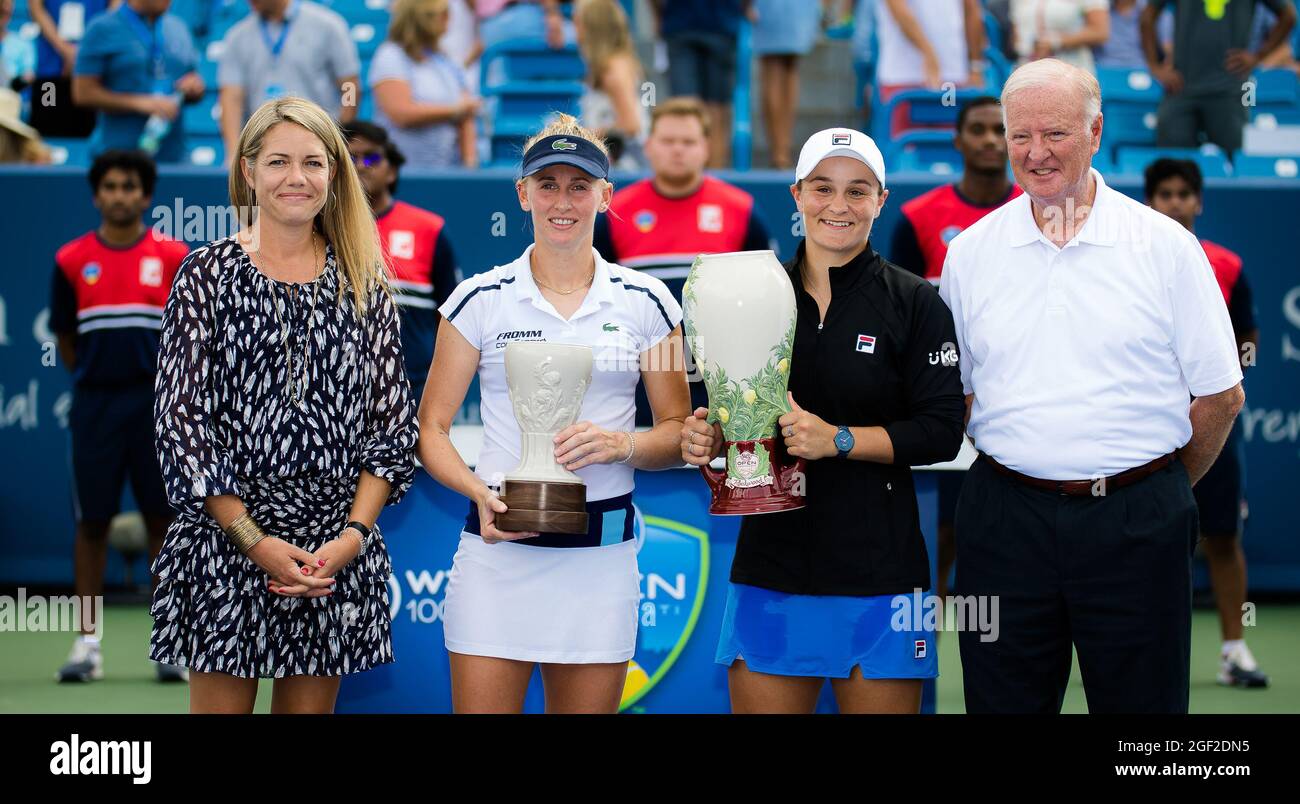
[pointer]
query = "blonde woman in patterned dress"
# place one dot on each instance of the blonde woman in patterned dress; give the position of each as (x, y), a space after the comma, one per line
(284, 425)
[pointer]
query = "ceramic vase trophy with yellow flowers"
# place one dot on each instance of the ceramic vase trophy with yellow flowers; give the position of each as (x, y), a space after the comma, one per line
(739, 312)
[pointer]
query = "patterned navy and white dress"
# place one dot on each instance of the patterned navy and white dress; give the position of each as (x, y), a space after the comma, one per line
(226, 424)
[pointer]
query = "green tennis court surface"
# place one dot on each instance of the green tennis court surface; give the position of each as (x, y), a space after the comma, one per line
(28, 662)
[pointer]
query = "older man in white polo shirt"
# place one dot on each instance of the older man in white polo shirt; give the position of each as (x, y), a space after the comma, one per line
(1097, 358)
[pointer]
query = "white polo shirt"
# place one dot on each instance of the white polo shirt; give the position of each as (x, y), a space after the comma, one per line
(624, 313)
(1083, 359)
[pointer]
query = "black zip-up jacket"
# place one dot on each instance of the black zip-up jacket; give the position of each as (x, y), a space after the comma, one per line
(885, 355)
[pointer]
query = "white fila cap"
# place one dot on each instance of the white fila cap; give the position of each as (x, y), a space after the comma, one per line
(840, 142)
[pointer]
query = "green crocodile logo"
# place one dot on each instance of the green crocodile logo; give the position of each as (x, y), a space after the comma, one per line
(608, 327)
(564, 145)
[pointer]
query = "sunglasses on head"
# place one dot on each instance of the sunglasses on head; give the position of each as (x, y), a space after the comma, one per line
(369, 159)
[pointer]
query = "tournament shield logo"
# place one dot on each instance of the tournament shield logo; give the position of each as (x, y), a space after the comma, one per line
(91, 272)
(644, 221)
(948, 233)
(674, 563)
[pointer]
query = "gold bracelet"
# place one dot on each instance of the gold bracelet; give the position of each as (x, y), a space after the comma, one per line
(244, 532)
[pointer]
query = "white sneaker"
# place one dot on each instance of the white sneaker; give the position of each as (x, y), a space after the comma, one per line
(1238, 669)
(168, 673)
(85, 663)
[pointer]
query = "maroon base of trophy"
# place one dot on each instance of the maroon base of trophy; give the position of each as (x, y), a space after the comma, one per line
(779, 495)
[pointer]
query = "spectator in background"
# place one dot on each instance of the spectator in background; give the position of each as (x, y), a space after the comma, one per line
(658, 225)
(1173, 187)
(920, 244)
(62, 24)
(17, 54)
(784, 30)
(461, 41)
(613, 105)
(1203, 86)
(1060, 29)
(864, 51)
(419, 254)
(138, 64)
(422, 97)
(287, 47)
(931, 220)
(1281, 57)
(926, 44)
(113, 359)
(502, 20)
(701, 39)
(19, 142)
(1123, 48)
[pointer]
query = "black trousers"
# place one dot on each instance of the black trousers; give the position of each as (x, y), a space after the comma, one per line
(1108, 575)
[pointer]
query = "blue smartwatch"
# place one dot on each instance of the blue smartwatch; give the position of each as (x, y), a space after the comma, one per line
(844, 442)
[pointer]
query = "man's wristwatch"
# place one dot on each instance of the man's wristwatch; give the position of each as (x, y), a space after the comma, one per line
(843, 442)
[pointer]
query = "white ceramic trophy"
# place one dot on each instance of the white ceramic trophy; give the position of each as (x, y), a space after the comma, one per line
(547, 382)
(739, 311)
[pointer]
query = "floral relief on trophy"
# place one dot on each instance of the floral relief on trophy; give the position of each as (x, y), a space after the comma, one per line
(548, 409)
(748, 410)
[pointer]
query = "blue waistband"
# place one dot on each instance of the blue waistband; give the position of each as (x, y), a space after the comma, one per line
(609, 521)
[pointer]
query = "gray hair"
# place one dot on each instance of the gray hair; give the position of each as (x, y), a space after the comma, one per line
(1053, 73)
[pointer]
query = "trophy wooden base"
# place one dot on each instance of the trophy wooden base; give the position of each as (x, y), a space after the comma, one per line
(544, 507)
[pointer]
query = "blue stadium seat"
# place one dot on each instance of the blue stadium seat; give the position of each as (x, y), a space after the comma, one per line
(74, 152)
(1276, 88)
(916, 162)
(195, 13)
(1273, 116)
(202, 118)
(926, 108)
(1127, 124)
(529, 60)
(926, 150)
(368, 37)
(535, 100)
(222, 15)
(1282, 167)
(1103, 162)
(505, 150)
(208, 72)
(1211, 160)
(1123, 85)
(372, 12)
(204, 151)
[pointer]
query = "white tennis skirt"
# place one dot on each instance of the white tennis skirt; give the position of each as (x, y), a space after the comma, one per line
(556, 605)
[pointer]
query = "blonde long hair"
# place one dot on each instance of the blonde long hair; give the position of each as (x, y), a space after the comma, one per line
(605, 34)
(406, 30)
(346, 221)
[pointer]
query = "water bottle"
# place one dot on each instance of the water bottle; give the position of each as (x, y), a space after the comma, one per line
(156, 129)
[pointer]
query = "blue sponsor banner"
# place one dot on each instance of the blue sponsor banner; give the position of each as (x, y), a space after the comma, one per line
(684, 556)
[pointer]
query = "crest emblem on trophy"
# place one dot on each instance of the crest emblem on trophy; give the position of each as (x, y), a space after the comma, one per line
(739, 312)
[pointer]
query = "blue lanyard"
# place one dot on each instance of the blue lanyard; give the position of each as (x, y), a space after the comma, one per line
(278, 45)
(152, 39)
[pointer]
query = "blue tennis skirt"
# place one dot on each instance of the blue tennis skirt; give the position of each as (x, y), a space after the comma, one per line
(824, 636)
